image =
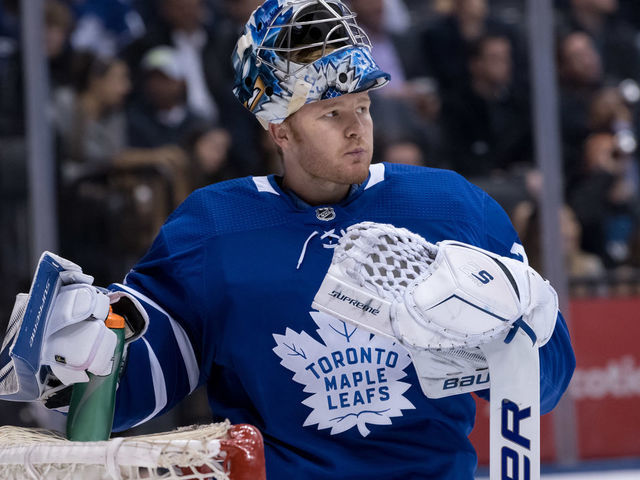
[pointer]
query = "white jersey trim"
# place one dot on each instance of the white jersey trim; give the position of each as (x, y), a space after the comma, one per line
(263, 185)
(186, 349)
(376, 175)
(159, 386)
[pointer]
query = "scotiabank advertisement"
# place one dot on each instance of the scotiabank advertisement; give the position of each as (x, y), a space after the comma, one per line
(605, 387)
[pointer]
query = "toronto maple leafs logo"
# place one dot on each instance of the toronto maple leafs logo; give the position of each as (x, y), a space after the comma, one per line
(353, 377)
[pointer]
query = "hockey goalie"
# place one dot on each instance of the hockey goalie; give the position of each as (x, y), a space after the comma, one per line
(344, 308)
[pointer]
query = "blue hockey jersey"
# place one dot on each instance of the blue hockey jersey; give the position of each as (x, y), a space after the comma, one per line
(228, 285)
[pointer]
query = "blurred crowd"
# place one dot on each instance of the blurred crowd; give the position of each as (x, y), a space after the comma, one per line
(143, 113)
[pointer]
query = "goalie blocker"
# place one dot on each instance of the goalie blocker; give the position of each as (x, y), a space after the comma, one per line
(56, 333)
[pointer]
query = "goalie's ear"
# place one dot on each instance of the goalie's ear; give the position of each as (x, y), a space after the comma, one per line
(281, 134)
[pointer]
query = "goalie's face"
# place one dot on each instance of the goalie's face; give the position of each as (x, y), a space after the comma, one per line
(327, 146)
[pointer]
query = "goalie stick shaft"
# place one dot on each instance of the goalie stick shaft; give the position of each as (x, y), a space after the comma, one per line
(514, 409)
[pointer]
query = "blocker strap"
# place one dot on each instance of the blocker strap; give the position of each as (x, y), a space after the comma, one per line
(520, 323)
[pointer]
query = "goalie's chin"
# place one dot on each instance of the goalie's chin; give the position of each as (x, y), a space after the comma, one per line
(356, 172)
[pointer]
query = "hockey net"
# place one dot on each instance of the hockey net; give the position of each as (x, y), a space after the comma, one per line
(217, 451)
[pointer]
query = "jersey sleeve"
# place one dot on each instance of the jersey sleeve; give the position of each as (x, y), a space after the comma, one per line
(557, 359)
(163, 366)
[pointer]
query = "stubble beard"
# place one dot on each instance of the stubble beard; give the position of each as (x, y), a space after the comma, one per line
(319, 164)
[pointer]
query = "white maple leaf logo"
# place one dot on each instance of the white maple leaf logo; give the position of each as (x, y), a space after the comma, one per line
(353, 378)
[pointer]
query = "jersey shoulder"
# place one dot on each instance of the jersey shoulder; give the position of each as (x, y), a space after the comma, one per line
(231, 206)
(430, 192)
(444, 199)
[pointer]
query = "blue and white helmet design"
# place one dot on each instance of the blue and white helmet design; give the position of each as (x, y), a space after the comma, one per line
(294, 52)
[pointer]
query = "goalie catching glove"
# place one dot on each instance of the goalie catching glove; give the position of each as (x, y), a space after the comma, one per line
(56, 333)
(441, 301)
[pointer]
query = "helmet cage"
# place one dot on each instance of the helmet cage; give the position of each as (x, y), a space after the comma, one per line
(295, 52)
(343, 25)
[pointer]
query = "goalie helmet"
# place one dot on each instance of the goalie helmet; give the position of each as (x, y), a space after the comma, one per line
(293, 52)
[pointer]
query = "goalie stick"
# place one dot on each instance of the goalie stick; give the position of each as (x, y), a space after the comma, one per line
(514, 408)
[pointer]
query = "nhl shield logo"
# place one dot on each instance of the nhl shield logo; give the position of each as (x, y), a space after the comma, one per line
(325, 214)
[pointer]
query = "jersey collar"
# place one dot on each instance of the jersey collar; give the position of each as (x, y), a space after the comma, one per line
(272, 184)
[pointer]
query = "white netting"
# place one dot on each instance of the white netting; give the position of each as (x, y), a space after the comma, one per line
(392, 257)
(190, 453)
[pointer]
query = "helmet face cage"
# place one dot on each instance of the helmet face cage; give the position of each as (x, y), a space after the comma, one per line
(317, 26)
(294, 52)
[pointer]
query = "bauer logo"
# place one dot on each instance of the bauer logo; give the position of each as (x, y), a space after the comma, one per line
(354, 378)
(515, 462)
(467, 381)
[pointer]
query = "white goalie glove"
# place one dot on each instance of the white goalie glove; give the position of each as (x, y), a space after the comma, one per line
(57, 333)
(440, 301)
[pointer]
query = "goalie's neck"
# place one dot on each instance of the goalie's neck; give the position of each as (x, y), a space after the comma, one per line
(304, 201)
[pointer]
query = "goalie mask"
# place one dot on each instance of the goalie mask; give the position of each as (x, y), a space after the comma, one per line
(294, 52)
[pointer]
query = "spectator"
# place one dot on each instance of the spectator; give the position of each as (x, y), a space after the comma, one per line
(605, 199)
(91, 123)
(161, 116)
(487, 123)
(408, 105)
(107, 187)
(581, 266)
(391, 53)
(609, 112)
(89, 117)
(613, 38)
(228, 28)
(210, 163)
(186, 26)
(580, 77)
(59, 23)
(446, 41)
(104, 28)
